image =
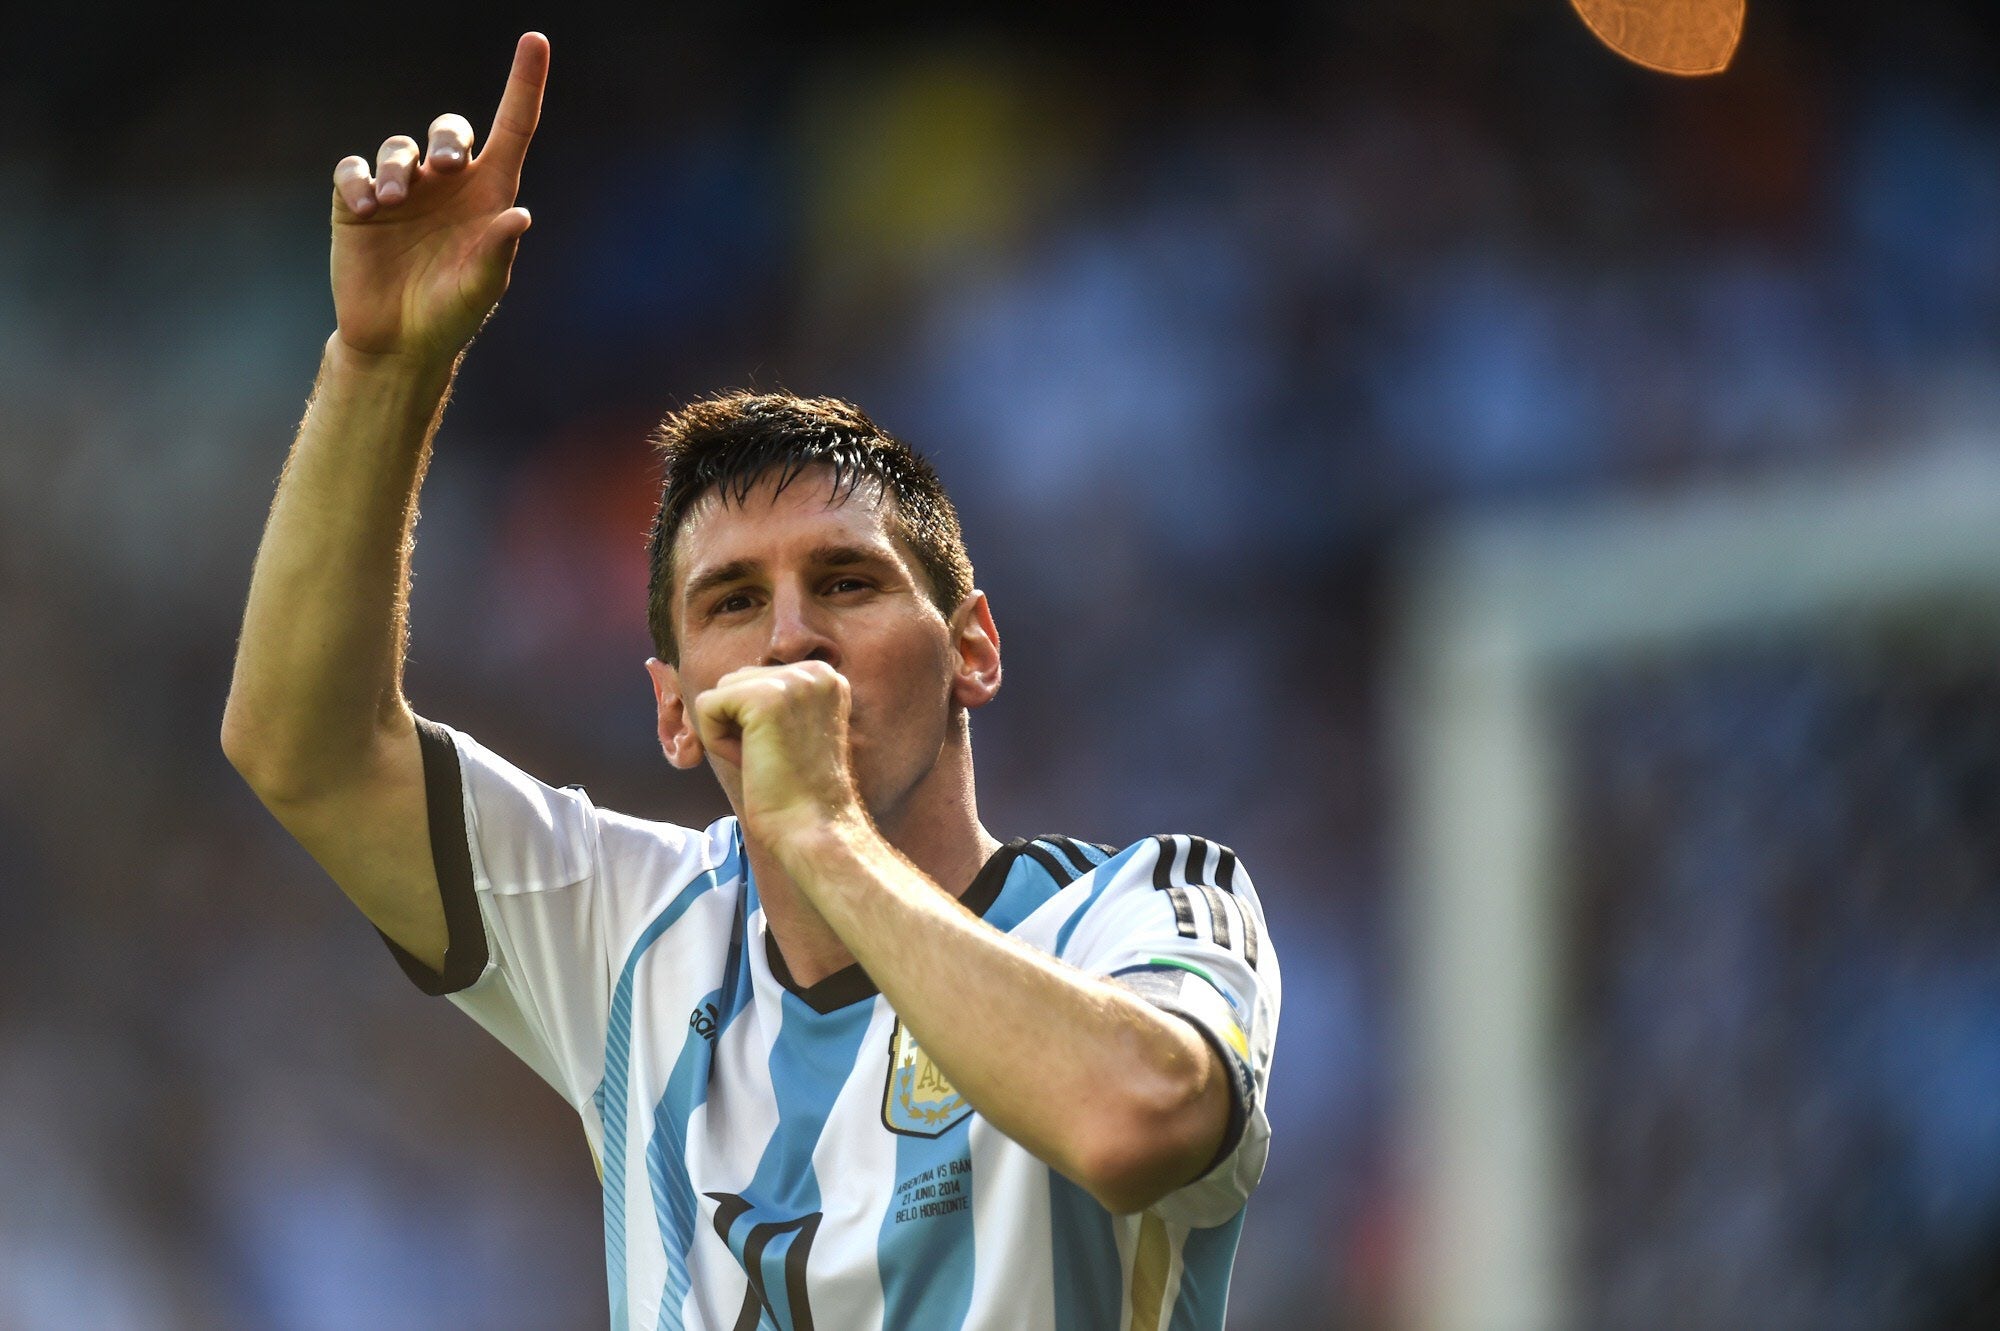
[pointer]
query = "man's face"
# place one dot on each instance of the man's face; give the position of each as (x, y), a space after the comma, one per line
(797, 576)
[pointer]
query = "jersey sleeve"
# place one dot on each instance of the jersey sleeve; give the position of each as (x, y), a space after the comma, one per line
(525, 908)
(1176, 919)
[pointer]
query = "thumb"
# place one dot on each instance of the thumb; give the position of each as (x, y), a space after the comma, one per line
(503, 236)
(492, 265)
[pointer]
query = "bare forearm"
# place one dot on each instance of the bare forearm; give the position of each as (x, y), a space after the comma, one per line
(319, 665)
(1122, 1098)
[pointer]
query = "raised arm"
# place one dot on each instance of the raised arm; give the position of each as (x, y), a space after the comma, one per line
(316, 720)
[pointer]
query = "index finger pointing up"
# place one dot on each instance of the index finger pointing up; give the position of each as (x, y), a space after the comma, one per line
(520, 106)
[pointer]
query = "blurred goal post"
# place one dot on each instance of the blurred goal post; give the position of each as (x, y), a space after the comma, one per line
(1499, 613)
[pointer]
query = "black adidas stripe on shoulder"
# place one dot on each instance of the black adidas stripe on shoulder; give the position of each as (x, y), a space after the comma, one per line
(1054, 865)
(1163, 880)
(1225, 870)
(1076, 852)
(1194, 864)
(1065, 859)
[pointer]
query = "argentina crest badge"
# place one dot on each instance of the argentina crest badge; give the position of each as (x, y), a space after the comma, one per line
(918, 1101)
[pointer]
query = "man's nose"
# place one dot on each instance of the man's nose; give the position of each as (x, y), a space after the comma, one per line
(798, 632)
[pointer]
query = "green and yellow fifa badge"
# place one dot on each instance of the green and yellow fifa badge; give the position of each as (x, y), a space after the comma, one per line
(918, 1101)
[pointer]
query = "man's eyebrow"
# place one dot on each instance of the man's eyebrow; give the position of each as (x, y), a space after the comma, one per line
(708, 579)
(837, 556)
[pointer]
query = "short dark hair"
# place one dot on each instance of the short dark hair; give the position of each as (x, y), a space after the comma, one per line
(730, 442)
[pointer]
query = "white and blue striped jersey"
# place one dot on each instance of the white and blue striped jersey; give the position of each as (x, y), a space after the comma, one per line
(778, 1155)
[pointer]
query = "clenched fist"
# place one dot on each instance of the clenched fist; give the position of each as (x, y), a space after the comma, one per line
(784, 730)
(422, 250)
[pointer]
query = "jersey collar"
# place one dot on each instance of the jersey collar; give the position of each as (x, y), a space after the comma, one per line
(850, 984)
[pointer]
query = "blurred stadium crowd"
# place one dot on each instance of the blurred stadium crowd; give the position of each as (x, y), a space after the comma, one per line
(1198, 330)
(1788, 1053)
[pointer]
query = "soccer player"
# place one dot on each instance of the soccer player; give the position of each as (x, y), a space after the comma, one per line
(844, 1059)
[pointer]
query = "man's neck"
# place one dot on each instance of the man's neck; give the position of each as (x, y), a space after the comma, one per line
(937, 829)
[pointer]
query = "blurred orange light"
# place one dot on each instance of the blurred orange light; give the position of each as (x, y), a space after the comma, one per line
(1672, 36)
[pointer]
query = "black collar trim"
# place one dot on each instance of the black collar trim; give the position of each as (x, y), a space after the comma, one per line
(850, 984)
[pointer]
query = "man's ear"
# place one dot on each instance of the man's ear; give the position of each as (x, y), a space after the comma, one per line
(678, 737)
(975, 653)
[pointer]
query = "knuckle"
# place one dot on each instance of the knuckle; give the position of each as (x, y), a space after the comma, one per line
(349, 168)
(451, 124)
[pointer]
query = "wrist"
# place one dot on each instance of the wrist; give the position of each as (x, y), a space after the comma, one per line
(414, 370)
(819, 851)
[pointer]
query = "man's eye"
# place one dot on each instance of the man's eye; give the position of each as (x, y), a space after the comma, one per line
(730, 603)
(846, 585)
